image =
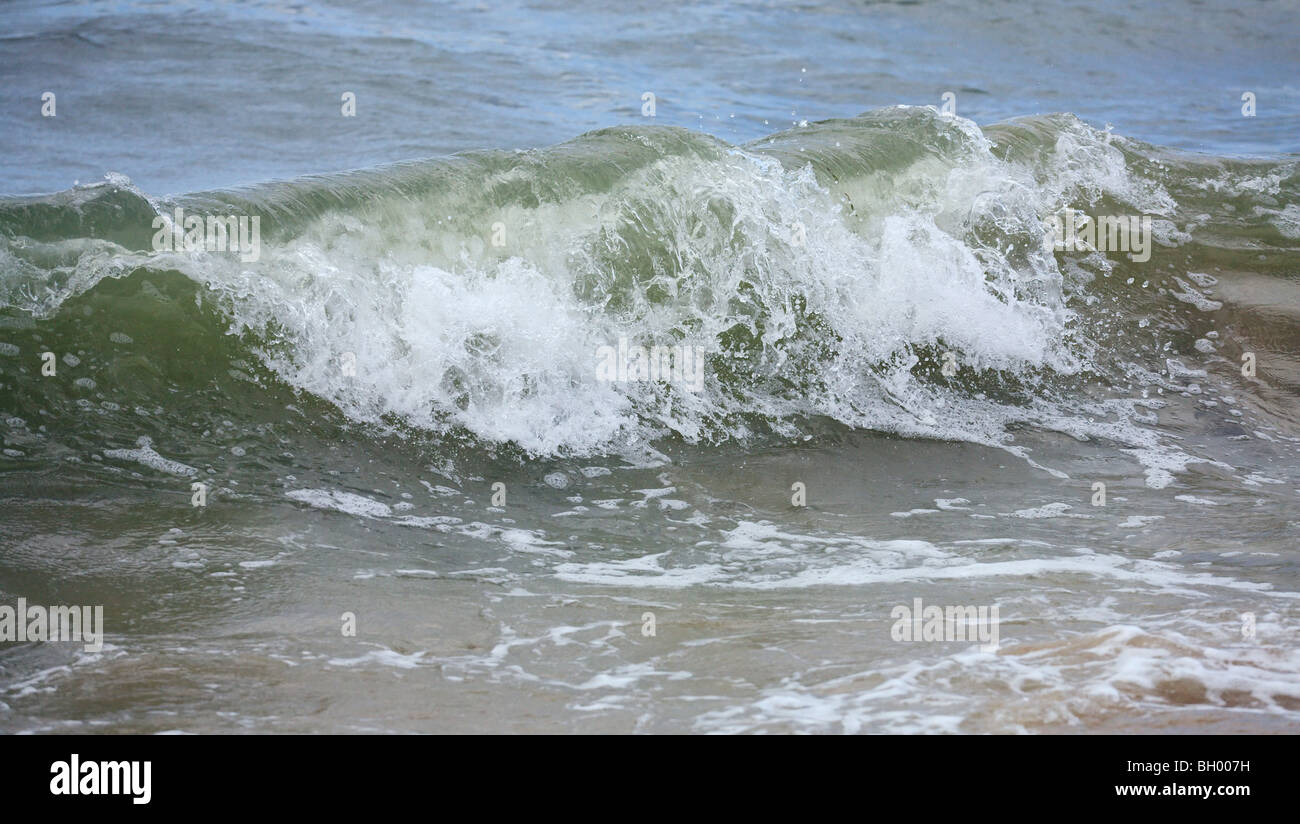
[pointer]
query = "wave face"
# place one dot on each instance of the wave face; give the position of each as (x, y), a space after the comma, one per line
(828, 274)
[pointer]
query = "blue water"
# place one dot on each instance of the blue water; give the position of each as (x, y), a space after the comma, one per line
(190, 96)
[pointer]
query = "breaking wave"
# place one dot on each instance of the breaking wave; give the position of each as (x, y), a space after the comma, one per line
(884, 272)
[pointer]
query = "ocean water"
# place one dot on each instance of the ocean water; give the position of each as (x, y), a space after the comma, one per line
(393, 469)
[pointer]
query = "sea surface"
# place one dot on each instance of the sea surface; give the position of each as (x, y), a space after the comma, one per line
(372, 475)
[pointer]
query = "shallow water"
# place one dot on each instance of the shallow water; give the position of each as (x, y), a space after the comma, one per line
(397, 410)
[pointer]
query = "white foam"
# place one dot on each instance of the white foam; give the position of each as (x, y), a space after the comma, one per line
(145, 454)
(346, 502)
